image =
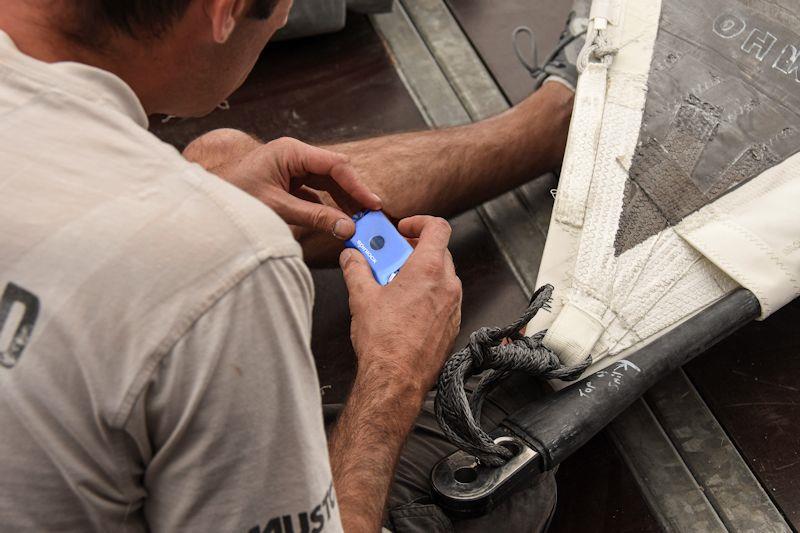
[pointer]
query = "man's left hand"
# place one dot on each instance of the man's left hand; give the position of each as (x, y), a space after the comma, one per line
(286, 173)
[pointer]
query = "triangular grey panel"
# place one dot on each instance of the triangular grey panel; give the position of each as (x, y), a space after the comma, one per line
(723, 105)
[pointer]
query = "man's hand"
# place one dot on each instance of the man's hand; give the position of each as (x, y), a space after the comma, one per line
(407, 328)
(402, 334)
(283, 174)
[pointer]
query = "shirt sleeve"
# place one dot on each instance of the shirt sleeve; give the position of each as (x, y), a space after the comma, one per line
(235, 419)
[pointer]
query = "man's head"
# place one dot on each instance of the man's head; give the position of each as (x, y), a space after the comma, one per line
(182, 57)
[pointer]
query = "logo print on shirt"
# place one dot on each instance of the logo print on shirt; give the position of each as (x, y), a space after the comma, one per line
(312, 521)
(13, 297)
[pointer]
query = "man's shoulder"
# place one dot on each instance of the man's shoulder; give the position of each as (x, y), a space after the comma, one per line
(187, 227)
(214, 205)
(193, 210)
(125, 254)
(124, 243)
(111, 219)
(59, 138)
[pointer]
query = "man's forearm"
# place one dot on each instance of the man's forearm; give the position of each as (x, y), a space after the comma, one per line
(365, 445)
(442, 172)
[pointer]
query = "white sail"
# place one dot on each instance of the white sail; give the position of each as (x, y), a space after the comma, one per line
(681, 180)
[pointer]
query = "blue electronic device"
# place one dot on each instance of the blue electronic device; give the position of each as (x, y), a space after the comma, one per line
(379, 241)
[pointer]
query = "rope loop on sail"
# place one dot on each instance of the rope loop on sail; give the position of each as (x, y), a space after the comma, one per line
(596, 49)
(496, 352)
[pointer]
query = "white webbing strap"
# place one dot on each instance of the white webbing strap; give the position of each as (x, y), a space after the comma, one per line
(602, 282)
(572, 335)
(584, 132)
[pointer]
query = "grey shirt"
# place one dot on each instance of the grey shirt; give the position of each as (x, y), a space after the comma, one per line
(155, 368)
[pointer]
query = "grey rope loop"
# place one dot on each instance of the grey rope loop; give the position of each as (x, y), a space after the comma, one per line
(485, 352)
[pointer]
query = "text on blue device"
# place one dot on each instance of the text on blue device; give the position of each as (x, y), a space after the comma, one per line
(379, 241)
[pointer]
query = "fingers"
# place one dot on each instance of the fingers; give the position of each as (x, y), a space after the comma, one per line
(357, 274)
(433, 233)
(412, 227)
(337, 196)
(307, 194)
(309, 214)
(450, 266)
(345, 176)
(302, 160)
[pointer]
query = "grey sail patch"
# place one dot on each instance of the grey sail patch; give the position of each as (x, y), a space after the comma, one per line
(694, 126)
(641, 217)
(750, 164)
(662, 175)
(722, 107)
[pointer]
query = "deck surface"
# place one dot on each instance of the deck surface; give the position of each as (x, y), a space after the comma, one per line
(328, 88)
(344, 86)
(751, 381)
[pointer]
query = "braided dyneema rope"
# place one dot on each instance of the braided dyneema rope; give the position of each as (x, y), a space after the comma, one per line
(457, 415)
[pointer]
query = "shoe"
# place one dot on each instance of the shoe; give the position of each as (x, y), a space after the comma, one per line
(560, 64)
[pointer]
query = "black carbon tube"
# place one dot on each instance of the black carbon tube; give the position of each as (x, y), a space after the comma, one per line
(559, 424)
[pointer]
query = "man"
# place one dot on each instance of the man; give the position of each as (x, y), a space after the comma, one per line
(155, 321)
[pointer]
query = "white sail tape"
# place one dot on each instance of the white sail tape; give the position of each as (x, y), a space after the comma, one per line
(605, 12)
(595, 285)
(584, 132)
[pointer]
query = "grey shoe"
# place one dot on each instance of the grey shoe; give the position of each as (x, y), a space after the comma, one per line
(560, 65)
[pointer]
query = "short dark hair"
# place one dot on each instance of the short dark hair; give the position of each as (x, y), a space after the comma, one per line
(94, 20)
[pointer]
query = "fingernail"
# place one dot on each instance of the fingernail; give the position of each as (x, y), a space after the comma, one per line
(345, 256)
(345, 157)
(377, 199)
(339, 230)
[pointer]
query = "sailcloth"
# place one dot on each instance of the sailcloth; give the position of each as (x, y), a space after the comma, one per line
(681, 179)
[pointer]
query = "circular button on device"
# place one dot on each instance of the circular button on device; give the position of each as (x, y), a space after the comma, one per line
(377, 242)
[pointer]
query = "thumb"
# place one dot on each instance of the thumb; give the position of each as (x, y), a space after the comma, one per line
(357, 274)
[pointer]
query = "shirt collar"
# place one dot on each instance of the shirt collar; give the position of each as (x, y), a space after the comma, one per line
(84, 81)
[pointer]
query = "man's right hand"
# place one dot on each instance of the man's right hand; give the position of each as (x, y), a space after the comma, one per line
(403, 332)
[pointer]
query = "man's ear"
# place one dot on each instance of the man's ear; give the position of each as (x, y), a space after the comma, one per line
(224, 15)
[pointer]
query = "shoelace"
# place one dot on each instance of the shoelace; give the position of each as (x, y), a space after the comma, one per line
(537, 72)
